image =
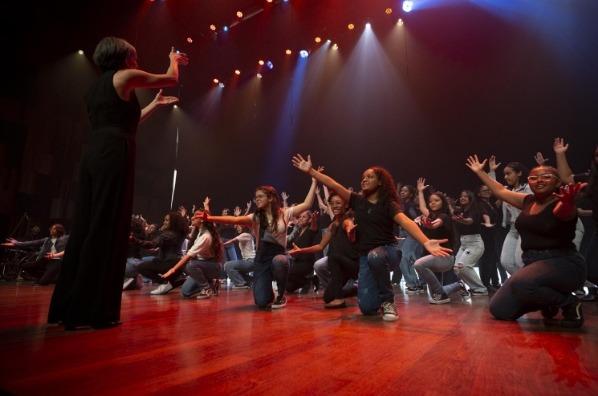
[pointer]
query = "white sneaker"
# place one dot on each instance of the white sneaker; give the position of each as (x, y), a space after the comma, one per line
(162, 289)
(127, 284)
(389, 312)
(205, 293)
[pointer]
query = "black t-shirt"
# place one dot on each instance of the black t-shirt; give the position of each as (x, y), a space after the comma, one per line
(305, 239)
(340, 245)
(374, 222)
(544, 230)
(474, 228)
(491, 211)
(592, 193)
(446, 231)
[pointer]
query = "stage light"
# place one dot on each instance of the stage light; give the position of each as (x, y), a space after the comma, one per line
(407, 5)
(400, 22)
(328, 41)
(238, 72)
(303, 53)
(260, 62)
(221, 85)
(269, 1)
(225, 28)
(216, 81)
(239, 14)
(259, 75)
(350, 26)
(80, 52)
(368, 25)
(175, 106)
(288, 52)
(335, 46)
(270, 65)
(189, 40)
(318, 39)
(388, 11)
(213, 28)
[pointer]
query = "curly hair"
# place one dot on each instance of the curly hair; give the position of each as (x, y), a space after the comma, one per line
(387, 192)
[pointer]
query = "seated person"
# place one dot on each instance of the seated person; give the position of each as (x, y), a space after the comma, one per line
(238, 270)
(46, 266)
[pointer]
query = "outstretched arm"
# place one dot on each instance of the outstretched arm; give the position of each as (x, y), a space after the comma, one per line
(158, 101)
(309, 199)
(431, 245)
(421, 186)
(305, 165)
(241, 220)
(499, 191)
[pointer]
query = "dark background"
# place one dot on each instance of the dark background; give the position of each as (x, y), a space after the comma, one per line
(461, 76)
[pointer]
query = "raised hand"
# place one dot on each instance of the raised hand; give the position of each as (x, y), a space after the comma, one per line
(206, 202)
(421, 184)
(284, 196)
(178, 57)
(569, 192)
(237, 211)
(559, 146)
(320, 169)
(301, 163)
(474, 164)
(492, 164)
(539, 158)
(225, 212)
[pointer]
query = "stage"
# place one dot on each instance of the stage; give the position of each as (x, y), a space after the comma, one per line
(167, 345)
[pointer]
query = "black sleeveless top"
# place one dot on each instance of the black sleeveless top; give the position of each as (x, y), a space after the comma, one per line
(544, 230)
(340, 245)
(107, 111)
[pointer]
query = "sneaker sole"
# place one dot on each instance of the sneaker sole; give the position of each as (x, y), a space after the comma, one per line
(390, 318)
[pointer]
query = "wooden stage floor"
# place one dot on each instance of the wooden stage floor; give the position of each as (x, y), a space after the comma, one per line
(167, 345)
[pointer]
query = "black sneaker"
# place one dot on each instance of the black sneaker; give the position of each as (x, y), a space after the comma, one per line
(548, 313)
(280, 302)
(572, 315)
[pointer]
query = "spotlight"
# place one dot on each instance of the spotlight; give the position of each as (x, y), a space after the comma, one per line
(318, 39)
(80, 52)
(303, 53)
(175, 106)
(407, 5)
(213, 28)
(259, 75)
(189, 40)
(328, 41)
(260, 62)
(350, 26)
(269, 1)
(216, 81)
(368, 25)
(221, 85)
(225, 28)
(388, 11)
(335, 46)
(239, 14)
(400, 22)
(270, 65)
(288, 52)
(238, 72)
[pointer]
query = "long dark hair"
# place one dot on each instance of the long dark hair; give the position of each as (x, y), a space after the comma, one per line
(275, 206)
(347, 215)
(473, 204)
(387, 192)
(412, 191)
(178, 224)
(518, 167)
(445, 205)
(216, 247)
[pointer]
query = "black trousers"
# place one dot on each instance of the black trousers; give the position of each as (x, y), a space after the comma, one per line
(300, 272)
(89, 288)
(489, 261)
(540, 284)
(45, 271)
(342, 268)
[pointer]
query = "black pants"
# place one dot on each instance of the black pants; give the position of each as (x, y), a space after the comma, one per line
(300, 272)
(88, 291)
(45, 271)
(592, 258)
(152, 269)
(341, 269)
(540, 284)
(271, 263)
(488, 263)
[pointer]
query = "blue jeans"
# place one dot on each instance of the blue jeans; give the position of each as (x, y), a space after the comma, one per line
(374, 285)
(238, 270)
(412, 250)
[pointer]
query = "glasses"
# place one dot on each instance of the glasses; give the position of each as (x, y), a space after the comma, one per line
(546, 177)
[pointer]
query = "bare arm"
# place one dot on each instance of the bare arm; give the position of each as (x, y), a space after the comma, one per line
(309, 199)
(305, 166)
(158, 101)
(499, 191)
(311, 249)
(241, 220)
(562, 165)
(432, 245)
(421, 186)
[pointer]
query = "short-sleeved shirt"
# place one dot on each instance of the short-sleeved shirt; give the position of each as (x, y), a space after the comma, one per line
(542, 231)
(374, 222)
(202, 247)
(246, 245)
(445, 231)
(474, 228)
